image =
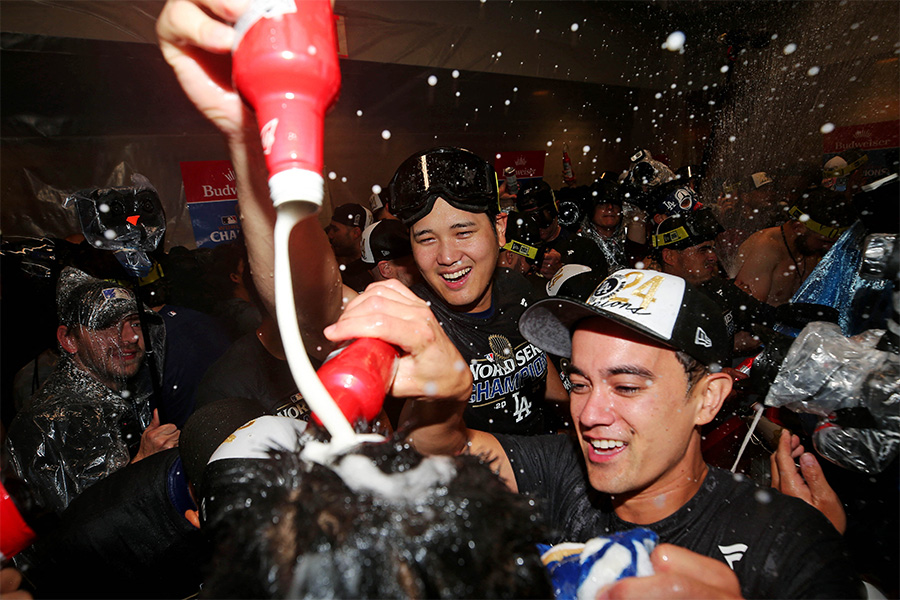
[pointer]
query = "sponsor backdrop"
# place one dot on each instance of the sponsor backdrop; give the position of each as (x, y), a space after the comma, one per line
(212, 201)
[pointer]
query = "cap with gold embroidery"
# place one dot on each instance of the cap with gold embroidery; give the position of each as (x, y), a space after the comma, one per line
(663, 307)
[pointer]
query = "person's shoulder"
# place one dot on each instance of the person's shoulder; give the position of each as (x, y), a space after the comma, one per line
(742, 495)
(511, 284)
(531, 447)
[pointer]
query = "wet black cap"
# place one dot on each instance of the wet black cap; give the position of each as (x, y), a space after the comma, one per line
(686, 230)
(385, 240)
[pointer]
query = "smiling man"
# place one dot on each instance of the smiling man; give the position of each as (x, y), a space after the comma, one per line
(448, 198)
(646, 349)
(90, 418)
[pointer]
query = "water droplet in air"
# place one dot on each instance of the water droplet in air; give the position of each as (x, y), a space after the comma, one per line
(109, 234)
(790, 49)
(675, 41)
(586, 149)
(332, 175)
(104, 207)
(574, 27)
(813, 71)
(376, 189)
(386, 134)
(359, 113)
(432, 80)
(827, 128)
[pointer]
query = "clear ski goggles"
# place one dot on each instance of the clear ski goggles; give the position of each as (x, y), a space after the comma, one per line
(461, 178)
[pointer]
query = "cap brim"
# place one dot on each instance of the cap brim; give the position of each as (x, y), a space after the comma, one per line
(548, 324)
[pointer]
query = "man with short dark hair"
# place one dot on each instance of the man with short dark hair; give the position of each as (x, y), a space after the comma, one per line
(345, 236)
(91, 417)
(646, 352)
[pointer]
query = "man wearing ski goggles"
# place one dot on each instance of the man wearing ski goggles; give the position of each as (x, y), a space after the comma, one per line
(448, 197)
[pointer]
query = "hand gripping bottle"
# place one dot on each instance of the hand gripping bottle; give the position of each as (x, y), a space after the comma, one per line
(359, 376)
(285, 65)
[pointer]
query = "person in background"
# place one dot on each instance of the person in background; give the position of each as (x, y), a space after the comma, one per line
(379, 206)
(746, 206)
(234, 302)
(773, 263)
(90, 418)
(387, 252)
(558, 246)
(345, 235)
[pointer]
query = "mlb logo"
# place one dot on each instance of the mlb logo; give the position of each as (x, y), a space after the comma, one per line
(115, 293)
(229, 220)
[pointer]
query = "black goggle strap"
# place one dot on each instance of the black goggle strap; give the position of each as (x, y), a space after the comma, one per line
(828, 231)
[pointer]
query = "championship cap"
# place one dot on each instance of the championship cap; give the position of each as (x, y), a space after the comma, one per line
(94, 303)
(352, 215)
(663, 307)
(757, 180)
(573, 281)
(375, 201)
(686, 230)
(674, 197)
(385, 240)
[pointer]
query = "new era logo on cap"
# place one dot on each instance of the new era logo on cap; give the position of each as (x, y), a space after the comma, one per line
(701, 339)
(662, 307)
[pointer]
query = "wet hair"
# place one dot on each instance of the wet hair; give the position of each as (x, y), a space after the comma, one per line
(289, 528)
(693, 368)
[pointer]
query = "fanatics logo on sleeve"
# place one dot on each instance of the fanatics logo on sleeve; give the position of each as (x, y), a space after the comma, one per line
(733, 553)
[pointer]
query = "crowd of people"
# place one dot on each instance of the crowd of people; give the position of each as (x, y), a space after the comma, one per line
(565, 358)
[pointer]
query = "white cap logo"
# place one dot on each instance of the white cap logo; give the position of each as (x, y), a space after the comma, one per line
(701, 339)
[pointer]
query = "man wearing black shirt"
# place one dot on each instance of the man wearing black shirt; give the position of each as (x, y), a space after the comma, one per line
(645, 352)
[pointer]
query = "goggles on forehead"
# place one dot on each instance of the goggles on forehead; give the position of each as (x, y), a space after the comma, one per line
(829, 231)
(460, 177)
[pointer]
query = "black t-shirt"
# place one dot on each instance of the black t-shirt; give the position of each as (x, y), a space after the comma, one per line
(194, 341)
(355, 275)
(124, 537)
(248, 370)
(779, 547)
(576, 250)
(509, 373)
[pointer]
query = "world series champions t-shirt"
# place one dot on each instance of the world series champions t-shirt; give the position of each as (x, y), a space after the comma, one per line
(509, 373)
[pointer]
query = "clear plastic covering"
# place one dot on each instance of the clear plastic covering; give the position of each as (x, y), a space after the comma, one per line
(86, 421)
(127, 220)
(853, 387)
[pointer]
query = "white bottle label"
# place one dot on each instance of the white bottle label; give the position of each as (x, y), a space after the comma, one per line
(261, 9)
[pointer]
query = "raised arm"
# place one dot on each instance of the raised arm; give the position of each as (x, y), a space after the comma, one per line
(431, 373)
(195, 37)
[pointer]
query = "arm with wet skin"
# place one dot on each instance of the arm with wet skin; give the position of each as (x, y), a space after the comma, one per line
(431, 373)
(757, 261)
(196, 37)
